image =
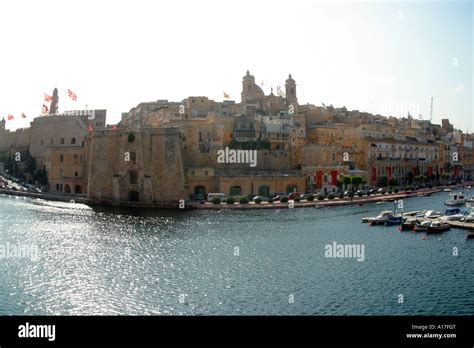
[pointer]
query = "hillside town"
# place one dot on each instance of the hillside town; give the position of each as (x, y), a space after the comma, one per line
(266, 145)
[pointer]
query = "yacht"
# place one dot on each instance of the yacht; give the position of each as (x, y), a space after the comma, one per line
(456, 199)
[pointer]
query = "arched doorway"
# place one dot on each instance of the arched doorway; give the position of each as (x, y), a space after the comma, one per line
(235, 191)
(200, 191)
(133, 196)
(77, 189)
(291, 188)
(67, 189)
(264, 190)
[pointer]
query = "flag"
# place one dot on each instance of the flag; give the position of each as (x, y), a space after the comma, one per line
(45, 109)
(23, 115)
(261, 83)
(114, 127)
(48, 98)
(89, 128)
(72, 95)
(226, 96)
(10, 117)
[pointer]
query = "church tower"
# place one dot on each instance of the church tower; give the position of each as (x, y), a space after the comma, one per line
(54, 103)
(247, 86)
(2, 125)
(290, 89)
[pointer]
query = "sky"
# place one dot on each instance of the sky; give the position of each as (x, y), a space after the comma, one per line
(382, 57)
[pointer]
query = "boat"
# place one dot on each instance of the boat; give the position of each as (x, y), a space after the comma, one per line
(381, 218)
(429, 214)
(409, 224)
(421, 226)
(456, 199)
(453, 214)
(438, 227)
(393, 220)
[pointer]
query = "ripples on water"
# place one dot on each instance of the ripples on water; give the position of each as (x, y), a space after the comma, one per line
(115, 261)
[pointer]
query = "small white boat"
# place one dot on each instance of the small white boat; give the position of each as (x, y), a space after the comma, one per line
(430, 214)
(456, 199)
(438, 227)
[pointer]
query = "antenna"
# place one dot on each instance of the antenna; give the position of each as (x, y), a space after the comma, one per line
(431, 111)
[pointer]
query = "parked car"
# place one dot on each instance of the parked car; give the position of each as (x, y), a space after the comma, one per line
(360, 192)
(293, 195)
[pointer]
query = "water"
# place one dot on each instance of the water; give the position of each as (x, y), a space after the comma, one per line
(107, 261)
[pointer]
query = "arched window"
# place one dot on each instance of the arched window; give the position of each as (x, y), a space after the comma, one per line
(77, 189)
(61, 141)
(73, 141)
(67, 189)
(133, 178)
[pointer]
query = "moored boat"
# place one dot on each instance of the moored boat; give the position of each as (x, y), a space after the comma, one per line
(421, 226)
(438, 227)
(408, 224)
(456, 199)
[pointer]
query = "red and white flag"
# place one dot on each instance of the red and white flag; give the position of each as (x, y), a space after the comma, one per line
(45, 109)
(10, 117)
(23, 115)
(48, 98)
(114, 127)
(89, 128)
(72, 95)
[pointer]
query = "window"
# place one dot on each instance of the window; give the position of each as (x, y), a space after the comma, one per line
(61, 141)
(76, 174)
(98, 124)
(61, 172)
(333, 156)
(133, 157)
(73, 141)
(192, 173)
(51, 142)
(133, 178)
(61, 158)
(76, 158)
(57, 187)
(41, 142)
(206, 173)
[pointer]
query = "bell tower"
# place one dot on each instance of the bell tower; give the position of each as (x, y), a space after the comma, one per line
(290, 89)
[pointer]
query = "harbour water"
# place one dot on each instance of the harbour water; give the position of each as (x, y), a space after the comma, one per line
(108, 261)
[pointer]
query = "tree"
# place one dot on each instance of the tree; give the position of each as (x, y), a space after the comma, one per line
(382, 181)
(393, 182)
(347, 181)
(410, 177)
(356, 181)
(339, 185)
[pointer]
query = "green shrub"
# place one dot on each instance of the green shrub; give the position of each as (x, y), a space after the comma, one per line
(341, 195)
(368, 193)
(131, 137)
(297, 199)
(216, 200)
(284, 199)
(243, 200)
(320, 196)
(230, 200)
(331, 196)
(360, 194)
(270, 200)
(258, 200)
(310, 197)
(390, 191)
(396, 190)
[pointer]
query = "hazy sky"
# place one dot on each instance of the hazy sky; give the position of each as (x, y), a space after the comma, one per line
(382, 57)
